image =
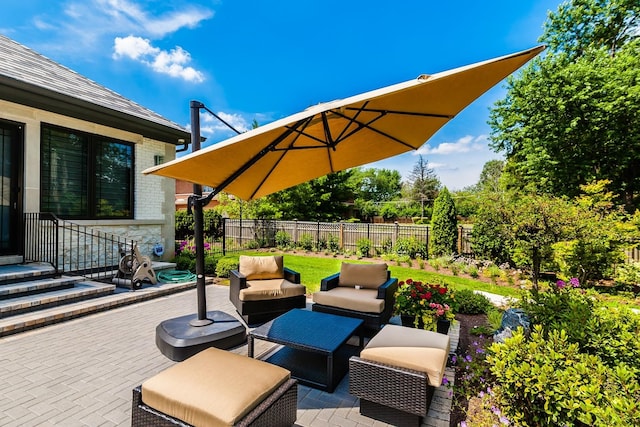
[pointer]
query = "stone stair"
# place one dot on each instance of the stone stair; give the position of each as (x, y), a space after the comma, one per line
(32, 296)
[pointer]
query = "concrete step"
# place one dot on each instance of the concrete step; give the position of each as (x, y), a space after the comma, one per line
(56, 314)
(37, 286)
(52, 292)
(21, 272)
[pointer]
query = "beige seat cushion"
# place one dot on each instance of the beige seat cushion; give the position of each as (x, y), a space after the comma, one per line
(261, 267)
(213, 388)
(410, 348)
(364, 300)
(258, 290)
(369, 276)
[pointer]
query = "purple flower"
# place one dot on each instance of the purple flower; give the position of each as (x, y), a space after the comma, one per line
(445, 381)
(468, 358)
(463, 424)
(495, 410)
(560, 284)
(479, 350)
(504, 420)
(574, 282)
(454, 359)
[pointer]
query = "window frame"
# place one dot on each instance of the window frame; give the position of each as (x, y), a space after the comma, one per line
(93, 140)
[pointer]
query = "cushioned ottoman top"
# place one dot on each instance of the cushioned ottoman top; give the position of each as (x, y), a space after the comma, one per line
(417, 349)
(213, 388)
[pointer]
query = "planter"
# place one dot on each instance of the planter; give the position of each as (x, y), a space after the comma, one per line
(407, 320)
(442, 326)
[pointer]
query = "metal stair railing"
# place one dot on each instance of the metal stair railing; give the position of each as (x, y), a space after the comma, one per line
(72, 248)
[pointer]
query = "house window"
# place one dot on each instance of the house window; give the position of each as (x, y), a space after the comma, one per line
(85, 176)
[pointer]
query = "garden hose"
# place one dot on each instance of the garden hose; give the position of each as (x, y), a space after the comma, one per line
(176, 276)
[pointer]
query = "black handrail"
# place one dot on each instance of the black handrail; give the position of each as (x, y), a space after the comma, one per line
(72, 248)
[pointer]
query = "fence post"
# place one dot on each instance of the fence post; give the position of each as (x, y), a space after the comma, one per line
(224, 236)
(427, 244)
(396, 234)
(341, 242)
(460, 240)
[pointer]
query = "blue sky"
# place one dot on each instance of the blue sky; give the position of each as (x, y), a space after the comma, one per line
(265, 60)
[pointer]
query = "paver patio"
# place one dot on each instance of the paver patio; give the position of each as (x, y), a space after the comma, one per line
(81, 372)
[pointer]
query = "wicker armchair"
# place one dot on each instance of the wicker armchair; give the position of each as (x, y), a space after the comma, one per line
(262, 289)
(363, 291)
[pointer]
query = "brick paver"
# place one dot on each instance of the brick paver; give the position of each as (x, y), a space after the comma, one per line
(82, 372)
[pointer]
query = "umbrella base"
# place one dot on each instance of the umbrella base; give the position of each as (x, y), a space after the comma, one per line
(178, 339)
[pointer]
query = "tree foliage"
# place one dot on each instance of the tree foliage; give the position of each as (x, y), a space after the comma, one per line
(573, 117)
(423, 183)
(444, 225)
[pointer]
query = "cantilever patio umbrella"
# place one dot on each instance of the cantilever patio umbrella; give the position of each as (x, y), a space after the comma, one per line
(336, 135)
(341, 134)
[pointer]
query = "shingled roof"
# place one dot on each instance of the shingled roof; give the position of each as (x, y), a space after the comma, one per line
(31, 79)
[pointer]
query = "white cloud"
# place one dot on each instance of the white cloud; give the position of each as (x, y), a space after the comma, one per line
(465, 144)
(131, 17)
(173, 62)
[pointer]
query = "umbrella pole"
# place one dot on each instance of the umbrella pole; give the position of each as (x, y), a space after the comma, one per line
(198, 224)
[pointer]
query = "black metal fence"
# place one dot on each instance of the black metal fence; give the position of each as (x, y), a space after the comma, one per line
(257, 233)
(72, 248)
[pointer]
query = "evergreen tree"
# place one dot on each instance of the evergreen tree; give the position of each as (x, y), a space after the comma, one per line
(444, 225)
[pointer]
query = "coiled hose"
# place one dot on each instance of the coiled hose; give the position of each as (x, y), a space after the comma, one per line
(175, 276)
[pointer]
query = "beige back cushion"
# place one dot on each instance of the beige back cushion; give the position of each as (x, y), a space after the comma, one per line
(261, 267)
(369, 276)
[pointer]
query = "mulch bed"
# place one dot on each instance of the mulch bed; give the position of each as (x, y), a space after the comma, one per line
(467, 323)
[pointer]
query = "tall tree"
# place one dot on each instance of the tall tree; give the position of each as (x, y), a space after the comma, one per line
(574, 116)
(423, 183)
(490, 176)
(579, 26)
(444, 225)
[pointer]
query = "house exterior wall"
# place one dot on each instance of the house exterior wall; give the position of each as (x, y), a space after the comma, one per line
(154, 196)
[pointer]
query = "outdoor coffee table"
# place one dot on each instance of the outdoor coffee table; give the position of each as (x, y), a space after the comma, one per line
(315, 347)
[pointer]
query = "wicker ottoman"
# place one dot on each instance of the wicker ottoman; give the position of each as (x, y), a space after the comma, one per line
(217, 388)
(397, 372)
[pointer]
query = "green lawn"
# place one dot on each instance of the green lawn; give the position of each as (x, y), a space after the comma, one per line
(313, 269)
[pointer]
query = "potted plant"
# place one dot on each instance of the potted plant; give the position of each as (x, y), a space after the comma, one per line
(424, 305)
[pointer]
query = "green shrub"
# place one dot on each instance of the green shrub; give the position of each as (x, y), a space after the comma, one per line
(492, 272)
(252, 244)
(561, 307)
(185, 261)
(364, 246)
(225, 265)
(547, 381)
(436, 263)
(614, 336)
(411, 247)
(210, 263)
(306, 242)
(470, 302)
(628, 275)
(333, 243)
(471, 270)
(444, 225)
(283, 239)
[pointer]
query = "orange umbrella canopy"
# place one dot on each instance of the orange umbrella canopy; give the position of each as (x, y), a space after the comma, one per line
(341, 134)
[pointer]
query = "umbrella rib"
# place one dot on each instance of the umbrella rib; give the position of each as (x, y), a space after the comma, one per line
(261, 154)
(406, 113)
(367, 125)
(272, 147)
(330, 143)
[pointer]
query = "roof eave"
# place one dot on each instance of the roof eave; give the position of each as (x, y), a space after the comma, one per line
(44, 99)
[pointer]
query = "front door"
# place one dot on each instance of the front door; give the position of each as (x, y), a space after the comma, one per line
(10, 182)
